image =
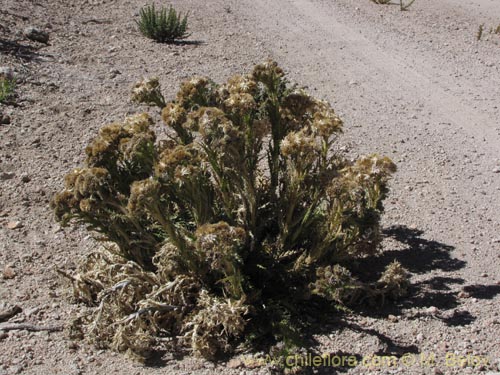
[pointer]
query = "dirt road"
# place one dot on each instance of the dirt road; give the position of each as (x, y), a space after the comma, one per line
(419, 87)
(416, 86)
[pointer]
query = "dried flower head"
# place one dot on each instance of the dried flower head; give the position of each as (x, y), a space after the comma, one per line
(371, 166)
(148, 92)
(87, 182)
(205, 120)
(143, 195)
(138, 149)
(64, 205)
(241, 85)
(394, 282)
(173, 115)
(196, 91)
(325, 123)
(268, 73)
(299, 145)
(138, 124)
(337, 283)
(240, 103)
(179, 164)
(220, 243)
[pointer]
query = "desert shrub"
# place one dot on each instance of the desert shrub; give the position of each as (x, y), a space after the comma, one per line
(164, 26)
(481, 31)
(7, 86)
(225, 231)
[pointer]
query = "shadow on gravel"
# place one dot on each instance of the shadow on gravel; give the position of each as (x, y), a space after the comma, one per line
(188, 42)
(419, 256)
(482, 291)
(19, 51)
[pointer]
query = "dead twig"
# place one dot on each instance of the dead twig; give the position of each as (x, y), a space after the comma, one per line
(28, 327)
(9, 313)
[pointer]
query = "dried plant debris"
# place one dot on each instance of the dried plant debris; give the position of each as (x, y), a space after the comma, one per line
(218, 234)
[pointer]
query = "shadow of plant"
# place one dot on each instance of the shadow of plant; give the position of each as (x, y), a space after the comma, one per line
(482, 291)
(421, 257)
(22, 52)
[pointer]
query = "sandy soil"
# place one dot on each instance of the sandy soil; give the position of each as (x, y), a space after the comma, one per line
(416, 86)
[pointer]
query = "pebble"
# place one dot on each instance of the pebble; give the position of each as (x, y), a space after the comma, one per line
(8, 273)
(432, 310)
(463, 294)
(392, 318)
(14, 225)
(35, 34)
(235, 363)
(4, 119)
(6, 175)
(113, 73)
(496, 170)
(6, 72)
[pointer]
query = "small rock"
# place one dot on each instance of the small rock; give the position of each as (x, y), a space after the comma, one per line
(432, 310)
(463, 294)
(235, 363)
(8, 273)
(73, 345)
(14, 225)
(17, 369)
(496, 170)
(6, 176)
(420, 337)
(32, 311)
(4, 119)
(35, 34)
(25, 178)
(392, 318)
(113, 73)
(6, 72)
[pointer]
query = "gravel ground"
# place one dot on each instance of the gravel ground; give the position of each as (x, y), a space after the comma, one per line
(416, 86)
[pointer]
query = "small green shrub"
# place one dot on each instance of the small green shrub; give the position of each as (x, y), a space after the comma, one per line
(480, 31)
(164, 26)
(7, 87)
(225, 231)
